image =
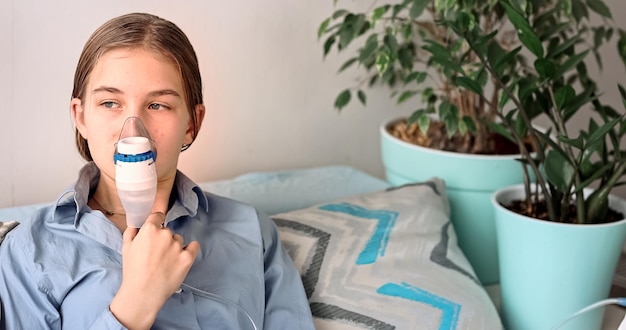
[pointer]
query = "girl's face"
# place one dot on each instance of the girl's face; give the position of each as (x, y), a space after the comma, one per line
(140, 83)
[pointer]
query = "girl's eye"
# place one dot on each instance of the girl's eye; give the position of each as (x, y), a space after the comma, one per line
(110, 104)
(157, 106)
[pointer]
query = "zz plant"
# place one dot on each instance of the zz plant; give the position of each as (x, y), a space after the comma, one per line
(495, 66)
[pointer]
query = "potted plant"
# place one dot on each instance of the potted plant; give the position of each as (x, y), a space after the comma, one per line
(417, 49)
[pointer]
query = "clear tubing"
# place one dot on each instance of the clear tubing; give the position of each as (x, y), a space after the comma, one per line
(601, 303)
(216, 297)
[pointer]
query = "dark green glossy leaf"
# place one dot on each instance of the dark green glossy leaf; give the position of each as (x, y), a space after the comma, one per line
(391, 42)
(322, 28)
(405, 96)
(595, 174)
(601, 133)
(499, 129)
(339, 13)
(562, 46)
(563, 96)
(559, 171)
(347, 64)
(570, 63)
(579, 10)
(417, 8)
(469, 84)
(371, 44)
(469, 122)
(546, 68)
(329, 44)
(599, 7)
(546, 139)
(524, 31)
(452, 126)
(342, 99)
(577, 102)
(382, 63)
(405, 57)
(499, 65)
(362, 97)
(379, 12)
(621, 46)
(622, 92)
(421, 77)
(424, 123)
(578, 143)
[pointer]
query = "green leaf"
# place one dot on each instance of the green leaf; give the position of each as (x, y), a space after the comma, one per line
(578, 142)
(391, 42)
(525, 32)
(329, 44)
(342, 99)
(322, 28)
(362, 97)
(499, 129)
(417, 8)
(421, 118)
(622, 92)
(405, 96)
(559, 171)
(347, 64)
(340, 13)
(371, 44)
(469, 84)
(506, 58)
(452, 126)
(546, 68)
(378, 13)
(562, 46)
(421, 77)
(563, 96)
(382, 63)
(621, 46)
(579, 10)
(405, 57)
(570, 63)
(469, 122)
(601, 133)
(599, 7)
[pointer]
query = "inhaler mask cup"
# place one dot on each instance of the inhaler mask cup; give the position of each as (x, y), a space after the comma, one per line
(135, 171)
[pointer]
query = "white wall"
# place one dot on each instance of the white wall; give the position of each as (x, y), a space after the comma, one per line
(268, 93)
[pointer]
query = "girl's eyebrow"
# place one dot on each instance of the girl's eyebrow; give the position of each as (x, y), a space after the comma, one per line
(113, 90)
(107, 89)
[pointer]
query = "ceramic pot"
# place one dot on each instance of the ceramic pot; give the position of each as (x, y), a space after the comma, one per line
(470, 182)
(550, 270)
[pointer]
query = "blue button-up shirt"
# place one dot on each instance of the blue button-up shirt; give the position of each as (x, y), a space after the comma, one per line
(61, 268)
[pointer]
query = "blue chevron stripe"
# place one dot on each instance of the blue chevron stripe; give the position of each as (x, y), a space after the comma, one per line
(450, 310)
(378, 242)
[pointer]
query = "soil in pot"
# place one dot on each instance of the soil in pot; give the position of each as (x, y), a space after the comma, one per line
(538, 210)
(437, 138)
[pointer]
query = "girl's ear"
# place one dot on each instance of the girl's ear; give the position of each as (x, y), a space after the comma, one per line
(200, 110)
(78, 116)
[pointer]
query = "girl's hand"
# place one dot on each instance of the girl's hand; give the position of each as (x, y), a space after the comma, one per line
(154, 264)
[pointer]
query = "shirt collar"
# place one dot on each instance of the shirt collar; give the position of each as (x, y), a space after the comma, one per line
(189, 198)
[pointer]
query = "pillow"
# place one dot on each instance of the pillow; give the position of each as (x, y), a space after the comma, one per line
(5, 228)
(287, 190)
(386, 260)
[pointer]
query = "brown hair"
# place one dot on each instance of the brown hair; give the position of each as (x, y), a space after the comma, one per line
(139, 30)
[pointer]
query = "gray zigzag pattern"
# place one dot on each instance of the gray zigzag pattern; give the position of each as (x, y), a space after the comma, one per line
(309, 280)
(439, 255)
(430, 184)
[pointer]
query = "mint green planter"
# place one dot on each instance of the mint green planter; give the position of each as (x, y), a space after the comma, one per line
(548, 270)
(470, 182)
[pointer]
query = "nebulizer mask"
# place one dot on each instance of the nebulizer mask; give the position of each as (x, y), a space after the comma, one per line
(135, 171)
